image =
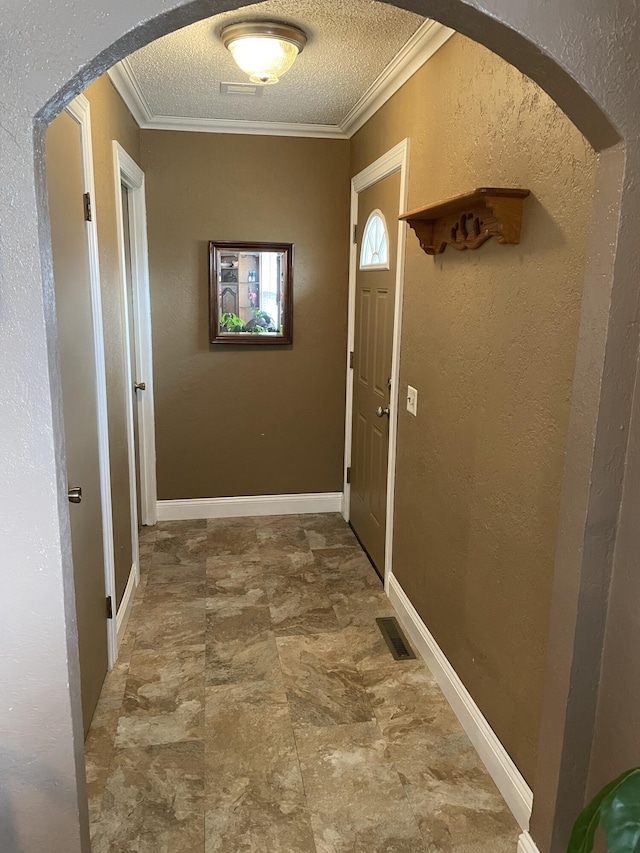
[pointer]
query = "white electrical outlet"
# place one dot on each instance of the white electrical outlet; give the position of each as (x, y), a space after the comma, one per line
(412, 400)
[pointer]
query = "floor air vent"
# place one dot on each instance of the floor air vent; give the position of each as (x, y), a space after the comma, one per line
(394, 638)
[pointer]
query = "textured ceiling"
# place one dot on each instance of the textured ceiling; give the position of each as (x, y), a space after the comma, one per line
(350, 44)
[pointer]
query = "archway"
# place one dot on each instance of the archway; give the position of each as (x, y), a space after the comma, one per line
(567, 57)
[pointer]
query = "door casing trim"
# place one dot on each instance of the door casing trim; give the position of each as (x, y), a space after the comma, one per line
(394, 160)
(126, 171)
(80, 111)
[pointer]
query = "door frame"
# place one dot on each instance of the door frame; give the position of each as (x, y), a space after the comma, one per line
(394, 160)
(126, 171)
(80, 111)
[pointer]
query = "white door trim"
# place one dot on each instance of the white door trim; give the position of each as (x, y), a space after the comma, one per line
(127, 172)
(80, 111)
(395, 160)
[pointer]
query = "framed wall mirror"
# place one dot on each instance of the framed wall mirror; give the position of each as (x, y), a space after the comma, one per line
(251, 293)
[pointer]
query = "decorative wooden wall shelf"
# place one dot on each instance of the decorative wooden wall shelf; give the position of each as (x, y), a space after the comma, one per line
(469, 220)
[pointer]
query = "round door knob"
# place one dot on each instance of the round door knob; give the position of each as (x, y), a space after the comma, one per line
(380, 412)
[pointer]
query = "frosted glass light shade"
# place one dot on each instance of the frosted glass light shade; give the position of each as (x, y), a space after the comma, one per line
(262, 50)
(265, 60)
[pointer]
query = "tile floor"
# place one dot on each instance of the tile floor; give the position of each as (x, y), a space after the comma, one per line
(255, 708)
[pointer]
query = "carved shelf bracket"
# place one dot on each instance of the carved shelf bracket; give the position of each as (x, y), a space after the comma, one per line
(469, 220)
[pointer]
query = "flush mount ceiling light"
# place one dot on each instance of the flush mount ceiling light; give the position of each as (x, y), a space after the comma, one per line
(263, 50)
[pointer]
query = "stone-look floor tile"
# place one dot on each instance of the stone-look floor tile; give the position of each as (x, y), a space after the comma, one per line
(328, 530)
(98, 750)
(145, 549)
(324, 687)
(169, 624)
(251, 756)
(361, 608)
(252, 658)
(271, 828)
(231, 536)
(408, 704)
(116, 680)
(236, 575)
(145, 565)
(147, 533)
(275, 563)
(226, 830)
(128, 641)
(232, 617)
(262, 809)
(347, 571)
(187, 591)
(354, 793)
(176, 573)
(367, 647)
(153, 801)
(240, 643)
(282, 534)
(283, 827)
(456, 803)
(186, 543)
(164, 698)
(299, 604)
(179, 528)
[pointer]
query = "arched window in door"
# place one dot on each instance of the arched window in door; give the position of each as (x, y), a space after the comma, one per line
(374, 253)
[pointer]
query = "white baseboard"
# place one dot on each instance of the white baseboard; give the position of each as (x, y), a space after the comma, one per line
(124, 611)
(526, 844)
(502, 770)
(249, 505)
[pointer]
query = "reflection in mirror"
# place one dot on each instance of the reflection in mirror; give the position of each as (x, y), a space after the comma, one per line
(251, 293)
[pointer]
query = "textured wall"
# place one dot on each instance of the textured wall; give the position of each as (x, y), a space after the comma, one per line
(110, 119)
(247, 420)
(50, 52)
(616, 745)
(489, 340)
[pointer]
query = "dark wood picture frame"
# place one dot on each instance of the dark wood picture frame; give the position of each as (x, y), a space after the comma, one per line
(223, 278)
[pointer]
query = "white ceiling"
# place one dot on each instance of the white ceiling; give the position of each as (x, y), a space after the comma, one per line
(356, 49)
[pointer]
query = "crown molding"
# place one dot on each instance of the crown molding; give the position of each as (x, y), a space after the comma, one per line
(422, 45)
(126, 83)
(251, 128)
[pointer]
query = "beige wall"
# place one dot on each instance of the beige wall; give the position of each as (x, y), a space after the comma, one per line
(110, 119)
(247, 420)
(489, 341)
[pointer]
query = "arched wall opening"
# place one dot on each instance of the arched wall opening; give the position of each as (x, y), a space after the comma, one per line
(94, 41)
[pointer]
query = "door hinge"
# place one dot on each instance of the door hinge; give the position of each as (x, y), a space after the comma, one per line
(351, 356)
(87, 207)
(355, 230)
(349, 474)
(109, 607)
